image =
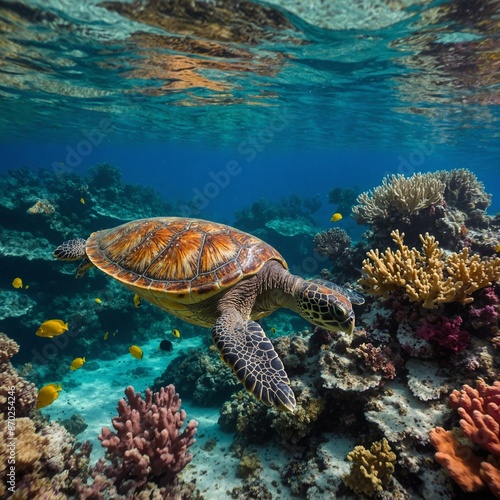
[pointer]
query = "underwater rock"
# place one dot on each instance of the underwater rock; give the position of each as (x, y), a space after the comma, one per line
(292, 227)
(399, 415)
(424, 380)
(340, 372)
(320, 476)
(15, 304)
(75, 424)
(25, 245)
(209, 381)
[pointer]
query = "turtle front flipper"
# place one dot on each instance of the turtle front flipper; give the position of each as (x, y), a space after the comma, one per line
(245, 348)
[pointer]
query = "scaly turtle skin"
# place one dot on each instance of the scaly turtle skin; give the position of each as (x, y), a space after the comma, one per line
(215, 276)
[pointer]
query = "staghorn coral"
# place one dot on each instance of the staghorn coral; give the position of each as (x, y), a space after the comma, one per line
(398, 196)
(372, 469)
(148, 445)
(427, 277)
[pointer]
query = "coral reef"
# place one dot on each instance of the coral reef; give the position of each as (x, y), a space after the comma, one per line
(44, 456)
(13, 387)
(427, 277)
(479, 410)
(148, 445)
(449, 205)
(371, 470)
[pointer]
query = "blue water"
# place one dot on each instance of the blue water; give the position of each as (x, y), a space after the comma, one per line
(300, 108)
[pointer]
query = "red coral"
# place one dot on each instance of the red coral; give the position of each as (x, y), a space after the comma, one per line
(148, 444)
(480, 422)
(479, 410)
(445, 332)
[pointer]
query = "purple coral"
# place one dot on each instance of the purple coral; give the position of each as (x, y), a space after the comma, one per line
(445, 332)
(332, 243)
(487, 311)
(147, 444)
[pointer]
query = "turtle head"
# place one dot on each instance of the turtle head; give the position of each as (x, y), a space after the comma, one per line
(327, 305)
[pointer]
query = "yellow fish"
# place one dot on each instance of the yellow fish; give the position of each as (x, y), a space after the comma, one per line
(47, 395)
(106, 335)
(136, 351)
(336, 217)
(273, 330)
(497, 249)
(82, 201)
(77, 363)
(98, 300)
(137, 300)
(17, 283)
(176, 333)
(52, 328)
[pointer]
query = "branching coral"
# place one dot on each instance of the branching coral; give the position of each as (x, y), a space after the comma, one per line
(148, 444)
(427, 277)
(371, 470)
(398, 195)
(479, 410)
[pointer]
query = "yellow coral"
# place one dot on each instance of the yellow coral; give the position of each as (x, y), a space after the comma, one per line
(371, 470)
(427, 277)
(42, 207)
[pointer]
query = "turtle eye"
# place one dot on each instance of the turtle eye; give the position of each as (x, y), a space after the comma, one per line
(339, 312)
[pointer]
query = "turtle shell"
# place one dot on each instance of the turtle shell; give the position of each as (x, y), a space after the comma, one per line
(177, 260)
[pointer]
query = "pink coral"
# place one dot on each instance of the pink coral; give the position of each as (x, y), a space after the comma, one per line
(479, 410)
(378, 359)
(148, 444)
(446, 332)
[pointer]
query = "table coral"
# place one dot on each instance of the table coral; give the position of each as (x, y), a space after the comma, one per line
(372, 469)
(427, 277)
(147, 444)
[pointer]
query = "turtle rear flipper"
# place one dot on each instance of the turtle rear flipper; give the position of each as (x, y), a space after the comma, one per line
(249, 353)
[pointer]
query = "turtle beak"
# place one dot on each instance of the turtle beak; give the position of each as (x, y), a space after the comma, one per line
(348, 326)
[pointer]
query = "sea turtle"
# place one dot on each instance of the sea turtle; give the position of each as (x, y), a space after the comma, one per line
(216, 276)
